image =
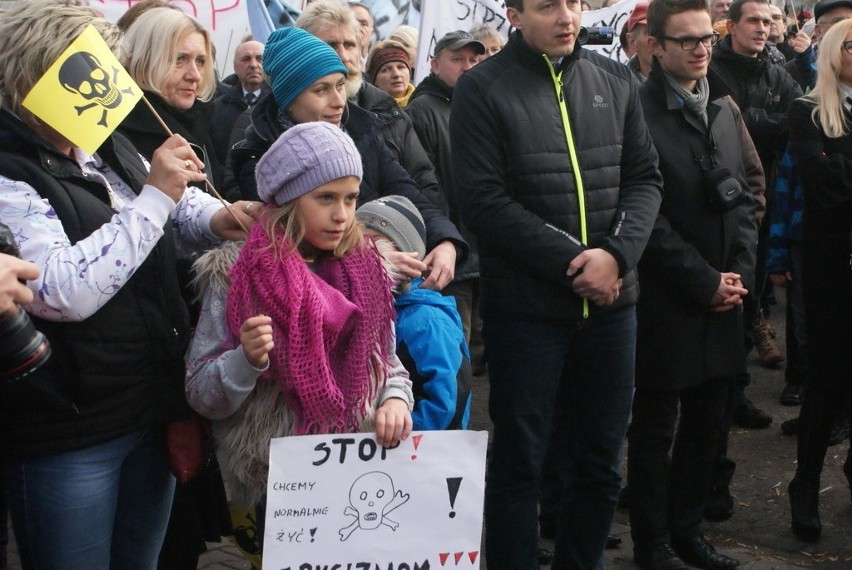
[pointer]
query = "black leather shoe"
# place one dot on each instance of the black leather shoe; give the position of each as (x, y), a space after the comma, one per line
(791, 395)
(659, 557)
(612, 541)
(790, 427)
(804, 510)
(749, 416)
(719, 505)
(698, 552)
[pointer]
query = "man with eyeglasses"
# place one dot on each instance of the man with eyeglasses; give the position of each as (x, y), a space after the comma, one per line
(697, 267)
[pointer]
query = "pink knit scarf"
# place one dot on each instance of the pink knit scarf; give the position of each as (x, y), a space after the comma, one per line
(331, 327)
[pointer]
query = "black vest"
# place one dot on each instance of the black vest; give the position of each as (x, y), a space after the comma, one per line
(120, 369)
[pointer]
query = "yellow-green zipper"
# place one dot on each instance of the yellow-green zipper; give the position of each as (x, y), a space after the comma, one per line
(575, 163)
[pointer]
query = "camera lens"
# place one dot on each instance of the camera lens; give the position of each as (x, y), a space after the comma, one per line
(596, 36)
(24, 348)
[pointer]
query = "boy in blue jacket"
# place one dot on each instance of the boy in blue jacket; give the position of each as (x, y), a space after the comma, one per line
(429, 337)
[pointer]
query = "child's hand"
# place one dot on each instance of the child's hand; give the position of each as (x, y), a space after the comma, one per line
(393, 422)
(256, 340)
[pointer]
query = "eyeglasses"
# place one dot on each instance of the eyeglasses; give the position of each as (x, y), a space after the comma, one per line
(847, 45)
(690, 44)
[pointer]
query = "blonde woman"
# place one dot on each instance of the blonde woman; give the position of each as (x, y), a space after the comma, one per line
(170, 56)
(821, 143)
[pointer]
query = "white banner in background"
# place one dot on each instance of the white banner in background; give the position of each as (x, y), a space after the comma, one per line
(345, 502)
(439, 17)
(226, 20)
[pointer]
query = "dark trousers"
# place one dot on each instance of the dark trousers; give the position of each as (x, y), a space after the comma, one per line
(667, 493)
(795, 337)
(829, 387)
(527, 362)
(4, 526)
(466, 294)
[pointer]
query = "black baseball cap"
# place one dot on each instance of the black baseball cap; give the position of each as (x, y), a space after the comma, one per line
(459, 39)
(828, 5)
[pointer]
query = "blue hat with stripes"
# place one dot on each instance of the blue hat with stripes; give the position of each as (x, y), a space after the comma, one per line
(293, 59)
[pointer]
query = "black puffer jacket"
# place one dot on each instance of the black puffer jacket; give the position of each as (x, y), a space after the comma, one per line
(519, 185)
(383, 175)
(398, 133)
(429, 109)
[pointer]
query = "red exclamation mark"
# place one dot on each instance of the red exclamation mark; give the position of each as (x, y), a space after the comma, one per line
(415, 439)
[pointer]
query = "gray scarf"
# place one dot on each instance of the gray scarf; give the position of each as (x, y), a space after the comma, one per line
(695, 103)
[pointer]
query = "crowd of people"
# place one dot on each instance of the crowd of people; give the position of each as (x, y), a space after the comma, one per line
(602, 242)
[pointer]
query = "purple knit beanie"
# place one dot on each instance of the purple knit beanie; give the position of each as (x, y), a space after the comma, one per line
(305, 157)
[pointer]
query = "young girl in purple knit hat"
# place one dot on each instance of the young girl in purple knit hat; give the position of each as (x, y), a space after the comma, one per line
(296, 330)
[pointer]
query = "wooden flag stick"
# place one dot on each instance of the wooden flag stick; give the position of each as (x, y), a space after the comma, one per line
(795, 15)
(206, 180)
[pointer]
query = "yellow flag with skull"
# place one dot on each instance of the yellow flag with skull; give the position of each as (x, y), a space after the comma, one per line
(85, 94)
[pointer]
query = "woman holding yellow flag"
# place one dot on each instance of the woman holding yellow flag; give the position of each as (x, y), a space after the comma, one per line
(82, 444)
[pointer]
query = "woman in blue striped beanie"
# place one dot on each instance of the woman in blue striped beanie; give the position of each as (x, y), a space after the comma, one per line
(308, 82)
(294, 60)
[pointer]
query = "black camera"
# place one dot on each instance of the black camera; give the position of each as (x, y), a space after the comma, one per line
(22, 348)
(724, 191)
(595, 36)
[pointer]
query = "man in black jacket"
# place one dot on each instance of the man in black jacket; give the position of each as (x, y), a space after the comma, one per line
(429, 109)
(228, 106)
(557, 178)
(698, 265)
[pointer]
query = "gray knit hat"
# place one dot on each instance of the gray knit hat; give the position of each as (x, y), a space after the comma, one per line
(398, 219)
(305, 157)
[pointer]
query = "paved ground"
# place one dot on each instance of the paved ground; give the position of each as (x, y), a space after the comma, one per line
(759, 533)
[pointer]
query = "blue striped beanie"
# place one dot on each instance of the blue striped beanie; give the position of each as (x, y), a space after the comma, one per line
(293, 59)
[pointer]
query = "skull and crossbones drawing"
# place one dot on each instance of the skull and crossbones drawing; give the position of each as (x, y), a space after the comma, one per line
(371, 498)
(84, 75)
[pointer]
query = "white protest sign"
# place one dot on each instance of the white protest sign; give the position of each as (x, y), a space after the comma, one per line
(439, 17)
(226, 20)
(342, 501)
